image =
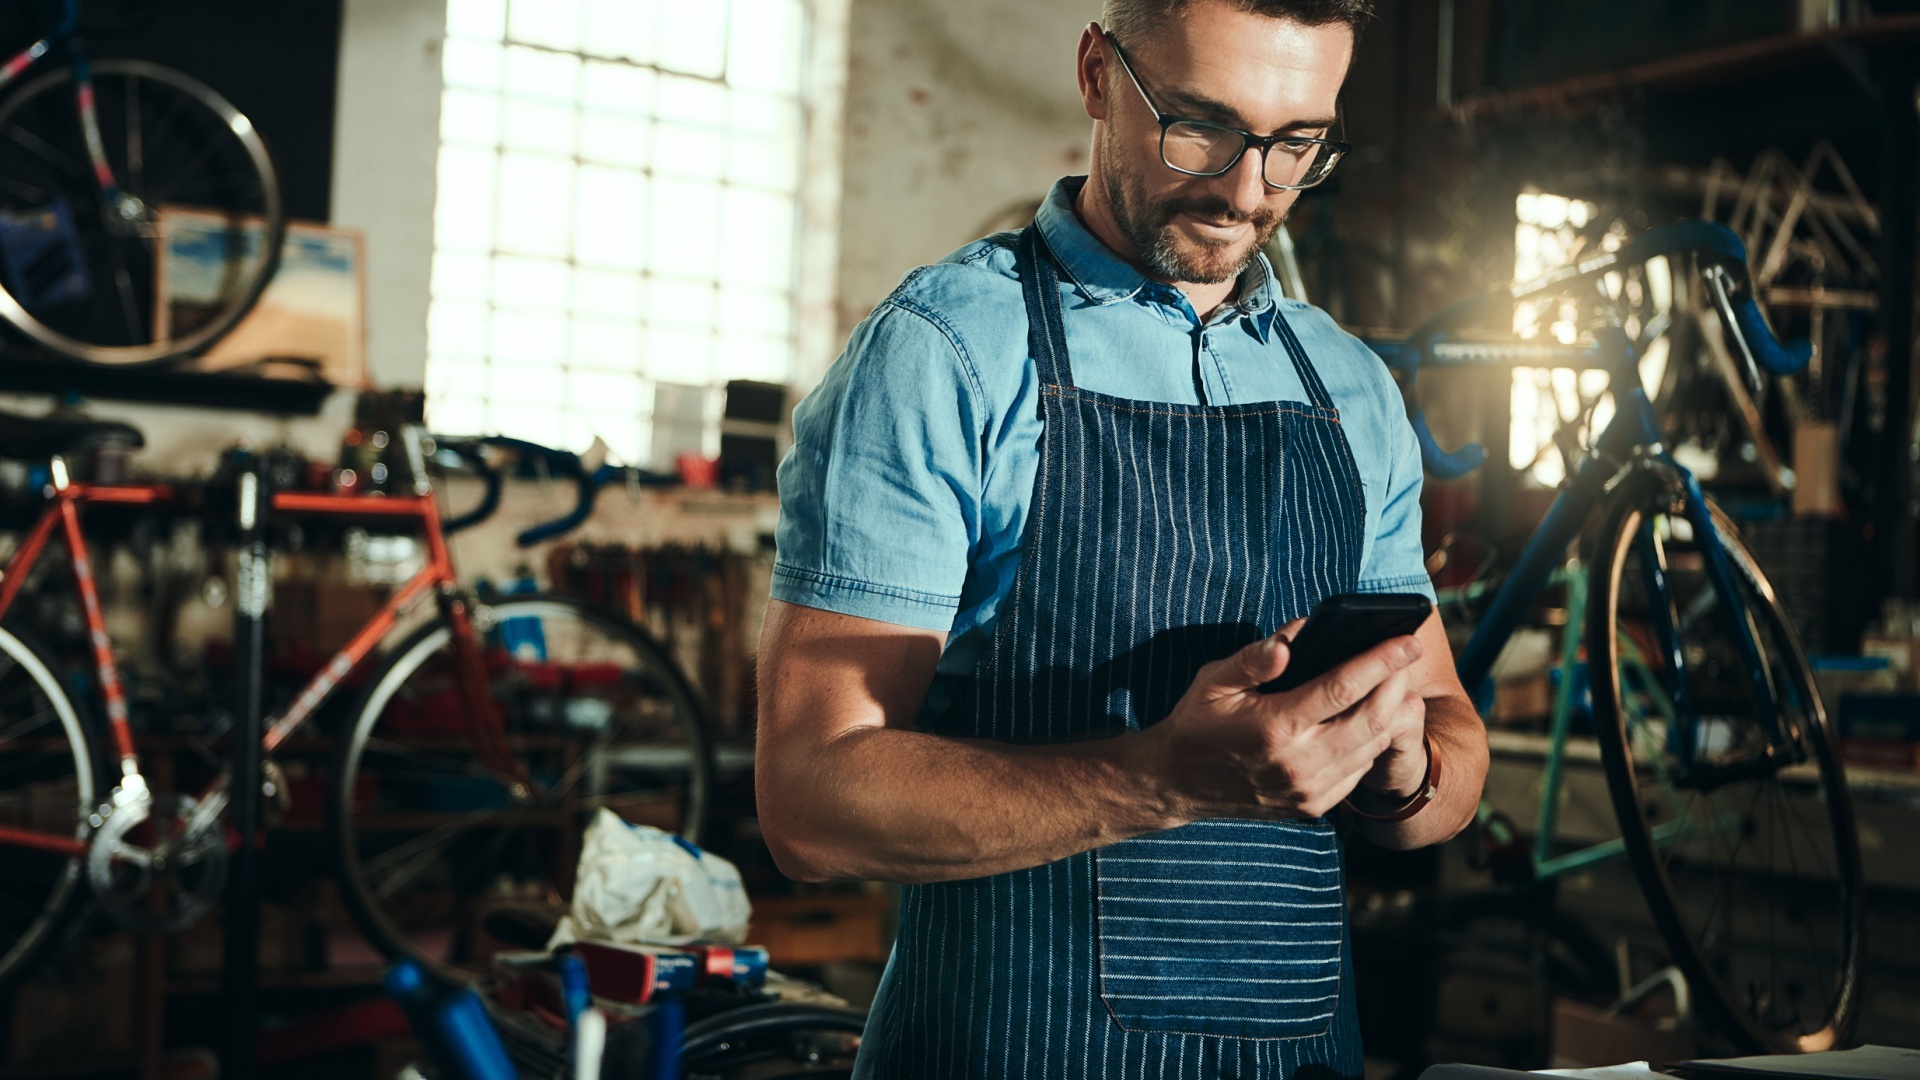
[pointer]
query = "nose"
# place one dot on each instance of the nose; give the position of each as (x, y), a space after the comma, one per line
(1246, 189)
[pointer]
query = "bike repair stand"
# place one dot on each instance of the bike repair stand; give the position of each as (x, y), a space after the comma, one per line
(253, 587)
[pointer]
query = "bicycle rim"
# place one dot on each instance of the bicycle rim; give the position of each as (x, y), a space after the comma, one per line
(1753, 881)
(428, 831)
(83, 275)
(46, 784)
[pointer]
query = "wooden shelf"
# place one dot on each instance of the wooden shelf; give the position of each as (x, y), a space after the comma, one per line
(1707, 67)
(344, 979)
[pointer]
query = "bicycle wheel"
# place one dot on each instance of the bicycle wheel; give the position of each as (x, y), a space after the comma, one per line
(47, 785)
(426, 826)
(1748, 858)
(83, 269)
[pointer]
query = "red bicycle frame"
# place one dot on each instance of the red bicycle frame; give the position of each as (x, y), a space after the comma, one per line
(437, 576)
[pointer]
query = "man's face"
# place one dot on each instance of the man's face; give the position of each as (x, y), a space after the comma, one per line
(1214, 63)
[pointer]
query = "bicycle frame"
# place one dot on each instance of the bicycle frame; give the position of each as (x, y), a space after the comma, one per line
(436, 577)
(82, 90)
(1633, 435)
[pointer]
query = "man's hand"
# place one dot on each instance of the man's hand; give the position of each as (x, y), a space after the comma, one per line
(1229, 750)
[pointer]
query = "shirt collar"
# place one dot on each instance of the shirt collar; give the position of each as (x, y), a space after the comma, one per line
(1104, 278)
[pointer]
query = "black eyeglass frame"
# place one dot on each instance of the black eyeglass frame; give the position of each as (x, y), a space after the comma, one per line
(1248, 140)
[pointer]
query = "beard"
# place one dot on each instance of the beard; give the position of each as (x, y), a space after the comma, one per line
(1148, 226)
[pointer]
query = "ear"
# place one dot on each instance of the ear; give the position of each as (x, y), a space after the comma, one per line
(1092, 71)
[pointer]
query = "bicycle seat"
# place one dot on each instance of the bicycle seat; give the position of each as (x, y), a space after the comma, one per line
(35, 438)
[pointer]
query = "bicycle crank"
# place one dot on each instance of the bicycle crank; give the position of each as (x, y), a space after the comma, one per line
(157, 866)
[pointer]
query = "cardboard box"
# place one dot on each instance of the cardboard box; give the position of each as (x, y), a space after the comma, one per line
(806, 931)
(1586, 1036)
(1816, 470)
(77, 1005)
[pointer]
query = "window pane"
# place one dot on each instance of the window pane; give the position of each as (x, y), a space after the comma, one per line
(758, 312)
(763, 359)
(761, 47)
(614, 140)
(457, 328)
(532, 75)
(538, 126)
(532, 284)
(696, 153)
(485, 19)
(611, 224)
(470, 117)
(525, 341)
(552, 23)
(758, 238)
(536, 200)
(457, 415)
(606, 292)
(678, 302)
(616, 88)
(463, 214)
(692, 37)
(474, 64)
(460, 276)
(607, 392)
(681, 355)
(607, 344)
(452, 375)
(682, 238)
(622, 28)
(690, 101)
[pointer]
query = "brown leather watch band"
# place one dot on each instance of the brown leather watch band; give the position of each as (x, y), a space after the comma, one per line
(1429, 787)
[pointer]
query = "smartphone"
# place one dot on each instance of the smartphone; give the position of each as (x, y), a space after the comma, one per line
(1345, 625)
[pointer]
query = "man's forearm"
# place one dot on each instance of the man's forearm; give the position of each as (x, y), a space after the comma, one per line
(1459, 740)
(897, 805)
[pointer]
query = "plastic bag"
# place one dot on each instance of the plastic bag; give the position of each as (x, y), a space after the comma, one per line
(641, 885)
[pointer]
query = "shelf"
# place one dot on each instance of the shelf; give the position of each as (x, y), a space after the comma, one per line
(25, 371)
(1707, 67)
(344, 979)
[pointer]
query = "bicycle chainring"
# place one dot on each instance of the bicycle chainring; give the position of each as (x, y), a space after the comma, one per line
(153, 867)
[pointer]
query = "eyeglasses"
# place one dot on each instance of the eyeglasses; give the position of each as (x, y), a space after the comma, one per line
(1198, 148)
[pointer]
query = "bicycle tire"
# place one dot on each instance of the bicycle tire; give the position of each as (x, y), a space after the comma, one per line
(392, 784)
(51, 886)
(58, 330)
(1714, 947)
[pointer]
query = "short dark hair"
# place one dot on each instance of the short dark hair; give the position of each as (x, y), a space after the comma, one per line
(1130, 21)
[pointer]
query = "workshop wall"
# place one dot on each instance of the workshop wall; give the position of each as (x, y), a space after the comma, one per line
(957, 115)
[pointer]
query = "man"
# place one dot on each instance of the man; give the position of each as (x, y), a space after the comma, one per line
(1041, 523)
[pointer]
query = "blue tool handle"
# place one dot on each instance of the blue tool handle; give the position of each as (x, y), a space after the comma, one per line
(1446, 466)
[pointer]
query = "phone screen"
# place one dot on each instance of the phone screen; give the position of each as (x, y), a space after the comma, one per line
(1345, 625)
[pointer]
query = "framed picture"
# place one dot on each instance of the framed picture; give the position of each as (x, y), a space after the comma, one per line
(311, 320)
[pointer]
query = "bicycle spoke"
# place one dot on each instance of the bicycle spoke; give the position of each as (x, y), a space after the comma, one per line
(45, 151)
(136, 154)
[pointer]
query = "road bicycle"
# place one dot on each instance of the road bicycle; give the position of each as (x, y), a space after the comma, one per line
(140, 214)
(483, 731)
(1719, 757)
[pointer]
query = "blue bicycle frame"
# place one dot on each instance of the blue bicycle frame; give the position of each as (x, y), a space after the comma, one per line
(1632, 440)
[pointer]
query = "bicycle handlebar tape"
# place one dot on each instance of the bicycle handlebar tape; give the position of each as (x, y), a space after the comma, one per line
(1769, 352)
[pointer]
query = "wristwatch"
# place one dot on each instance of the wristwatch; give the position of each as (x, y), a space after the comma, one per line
(1429, 786)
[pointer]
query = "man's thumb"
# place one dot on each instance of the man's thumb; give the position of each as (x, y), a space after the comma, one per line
(1253, 665)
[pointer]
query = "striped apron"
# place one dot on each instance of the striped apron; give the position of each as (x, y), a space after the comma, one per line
(1161, 537)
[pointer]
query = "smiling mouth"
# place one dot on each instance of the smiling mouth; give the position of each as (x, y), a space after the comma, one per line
(1214, 224)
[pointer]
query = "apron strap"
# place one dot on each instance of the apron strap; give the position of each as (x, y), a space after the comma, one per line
(1046, 331)
(1316, 390)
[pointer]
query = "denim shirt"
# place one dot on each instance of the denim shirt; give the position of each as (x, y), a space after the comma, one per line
(906, 494)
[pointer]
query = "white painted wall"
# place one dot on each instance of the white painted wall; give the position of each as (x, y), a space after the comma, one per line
(386, 148)
(955, 112)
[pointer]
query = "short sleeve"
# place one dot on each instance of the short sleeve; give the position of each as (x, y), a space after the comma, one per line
(1397, 562)
(880, 495)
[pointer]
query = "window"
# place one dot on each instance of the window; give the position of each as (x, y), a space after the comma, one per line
(617, 222)
(1550, 231)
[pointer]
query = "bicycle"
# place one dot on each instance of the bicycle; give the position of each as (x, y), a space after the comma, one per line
(479, 743)
(1720, 761)
(140, 213)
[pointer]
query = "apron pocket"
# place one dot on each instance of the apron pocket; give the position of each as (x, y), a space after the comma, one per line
(1223, 928)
